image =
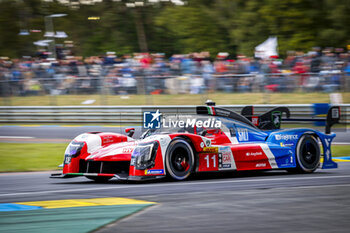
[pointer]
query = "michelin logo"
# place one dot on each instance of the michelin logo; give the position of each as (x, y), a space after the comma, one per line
(286, 137)
(154, 172)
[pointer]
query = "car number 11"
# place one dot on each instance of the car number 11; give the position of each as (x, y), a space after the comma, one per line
(208, 160)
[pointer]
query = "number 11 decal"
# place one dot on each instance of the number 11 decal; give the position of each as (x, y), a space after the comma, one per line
(208, 160)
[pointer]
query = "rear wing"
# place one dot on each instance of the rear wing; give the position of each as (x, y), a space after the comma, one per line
(273, 118)
(267, 121)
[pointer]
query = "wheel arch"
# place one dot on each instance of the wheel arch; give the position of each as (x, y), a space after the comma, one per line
(187, 139)
(318, 138)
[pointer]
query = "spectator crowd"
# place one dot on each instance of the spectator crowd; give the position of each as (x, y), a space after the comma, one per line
(325, 70)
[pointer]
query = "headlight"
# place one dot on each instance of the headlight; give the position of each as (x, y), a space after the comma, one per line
(143, 155)
(72, 151)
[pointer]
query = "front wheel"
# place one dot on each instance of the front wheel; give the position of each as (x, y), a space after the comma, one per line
(308, 154)
(179, 160)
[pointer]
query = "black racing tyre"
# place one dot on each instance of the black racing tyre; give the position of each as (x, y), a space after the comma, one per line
(99, 179)
(179, 160)
(308, 154)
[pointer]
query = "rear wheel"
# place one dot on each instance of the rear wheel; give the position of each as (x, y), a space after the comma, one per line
(308, 154)
(99, 179)
(179, 160)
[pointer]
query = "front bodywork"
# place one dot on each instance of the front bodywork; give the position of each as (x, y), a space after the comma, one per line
(92, 155)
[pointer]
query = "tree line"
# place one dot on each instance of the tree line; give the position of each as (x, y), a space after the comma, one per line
(234, 26)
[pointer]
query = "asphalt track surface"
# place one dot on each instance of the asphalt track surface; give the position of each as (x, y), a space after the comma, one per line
(271, 201)
(63, 133)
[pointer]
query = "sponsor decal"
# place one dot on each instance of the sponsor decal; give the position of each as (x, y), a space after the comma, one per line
(276, 118)
(128, 150)
(286, 144)
(286, 137)
(255, 120)
(222, 112)
(225, 160)
(154, 172)
(242, 134)
(253, 153)
(327, 142)
(107, 139)
(328, 153)
(225, 149)
(260, 165)
(211, 149)
(67, 159)
(202, 144)
(335, 113)
(207, 142)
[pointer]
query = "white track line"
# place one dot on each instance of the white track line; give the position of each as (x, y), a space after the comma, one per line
(175, 184)
(16, 137)
(340, 143)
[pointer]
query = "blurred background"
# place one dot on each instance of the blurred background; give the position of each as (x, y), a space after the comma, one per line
(116, 52)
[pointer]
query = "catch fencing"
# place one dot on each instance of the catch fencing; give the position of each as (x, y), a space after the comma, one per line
(62, 84)
(129, 115)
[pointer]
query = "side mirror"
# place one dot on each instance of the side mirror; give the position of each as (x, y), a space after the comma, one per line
(130, 131)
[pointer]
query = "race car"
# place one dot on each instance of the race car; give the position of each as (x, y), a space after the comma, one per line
(213, 140)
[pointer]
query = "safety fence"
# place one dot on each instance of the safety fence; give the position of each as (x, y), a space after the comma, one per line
(131, 115)
(63, 84)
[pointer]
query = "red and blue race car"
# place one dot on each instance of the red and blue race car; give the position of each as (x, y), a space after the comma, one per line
(213, 140)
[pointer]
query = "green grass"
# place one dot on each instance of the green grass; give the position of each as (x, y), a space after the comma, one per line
(30, 156)
(17, 157)
(181, 99)
(341, 150)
